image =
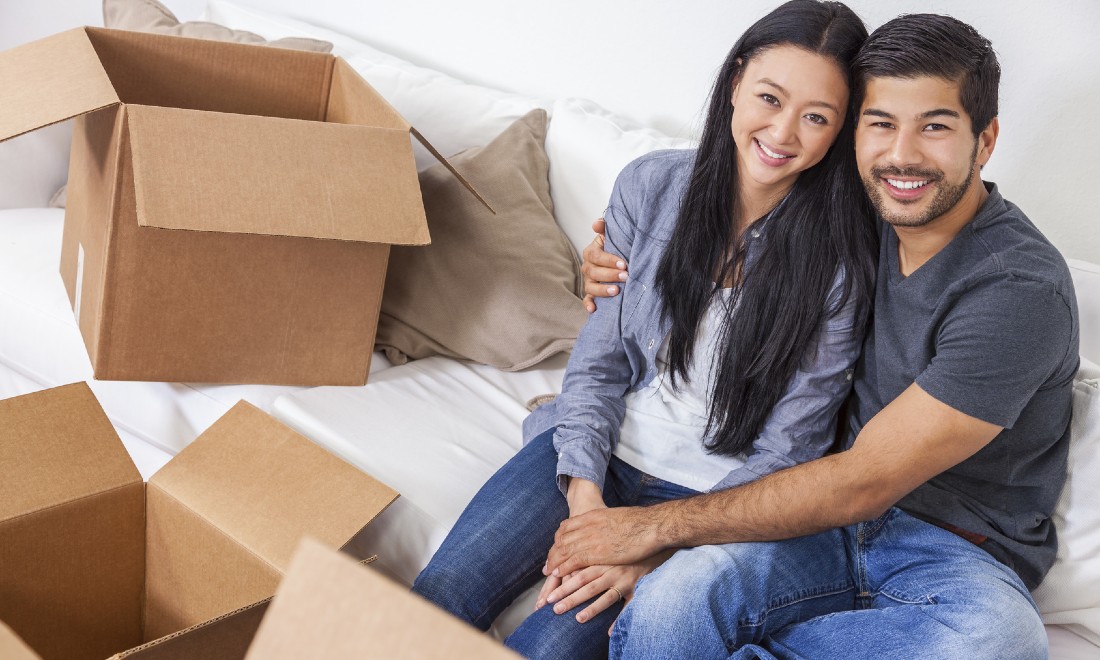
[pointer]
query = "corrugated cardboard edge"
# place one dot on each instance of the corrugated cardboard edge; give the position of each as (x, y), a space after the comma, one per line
(12, 647)
(167, 639)
(327, 606)
(451, 168)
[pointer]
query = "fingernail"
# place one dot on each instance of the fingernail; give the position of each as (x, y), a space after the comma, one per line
(622, 277)
(551, 599)
(581, 618)
(620, 265)
(555, 573)
(612, 290)
(558, 609)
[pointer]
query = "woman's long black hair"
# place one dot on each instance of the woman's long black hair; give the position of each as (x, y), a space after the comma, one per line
(824, 226)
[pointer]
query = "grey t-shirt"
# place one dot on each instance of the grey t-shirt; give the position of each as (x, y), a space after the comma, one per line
(989, 327)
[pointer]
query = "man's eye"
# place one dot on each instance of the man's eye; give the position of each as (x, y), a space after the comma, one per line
(817, 119)
(769, 99)
(882, 124)
(935, 127)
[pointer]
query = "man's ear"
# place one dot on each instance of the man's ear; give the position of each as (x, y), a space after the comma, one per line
(987, 140)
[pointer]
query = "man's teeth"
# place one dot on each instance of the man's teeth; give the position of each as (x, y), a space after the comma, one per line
(906, 185)
(769, 152)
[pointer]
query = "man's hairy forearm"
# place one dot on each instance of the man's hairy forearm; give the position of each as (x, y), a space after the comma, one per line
(829, 492)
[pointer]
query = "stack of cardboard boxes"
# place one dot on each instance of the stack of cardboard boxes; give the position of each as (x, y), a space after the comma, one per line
(230, 212)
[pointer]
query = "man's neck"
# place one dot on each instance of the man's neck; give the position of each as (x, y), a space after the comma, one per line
(916, 245)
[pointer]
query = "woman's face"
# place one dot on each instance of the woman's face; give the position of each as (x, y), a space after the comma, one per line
(789, 105)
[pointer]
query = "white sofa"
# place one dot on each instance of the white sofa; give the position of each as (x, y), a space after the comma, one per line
(435, 429)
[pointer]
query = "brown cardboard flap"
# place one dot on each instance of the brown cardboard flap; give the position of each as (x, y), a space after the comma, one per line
(57, 446)
(51, 80)
(265, 486)
(205, 171)
(13, 648)
(327, 607)
(451, 168)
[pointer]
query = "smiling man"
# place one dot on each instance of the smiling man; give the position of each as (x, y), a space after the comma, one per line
(923, 537)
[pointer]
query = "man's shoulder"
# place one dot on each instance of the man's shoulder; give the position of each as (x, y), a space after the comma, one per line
(1008, 246)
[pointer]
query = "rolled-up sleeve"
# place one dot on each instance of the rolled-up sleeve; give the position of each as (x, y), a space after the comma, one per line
(591, 407)
(802, 425)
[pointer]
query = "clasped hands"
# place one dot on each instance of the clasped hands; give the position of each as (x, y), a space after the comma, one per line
(600, 552)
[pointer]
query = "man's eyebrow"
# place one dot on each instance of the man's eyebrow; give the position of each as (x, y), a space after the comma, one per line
(939, 112)
(875, 112)
(772, 83)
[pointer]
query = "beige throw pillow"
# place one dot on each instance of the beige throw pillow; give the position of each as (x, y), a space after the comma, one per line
(152, 16)
(497, 289)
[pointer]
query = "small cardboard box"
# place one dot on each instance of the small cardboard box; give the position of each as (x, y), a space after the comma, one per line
(327, 607)
(230, 207)
(96, 562)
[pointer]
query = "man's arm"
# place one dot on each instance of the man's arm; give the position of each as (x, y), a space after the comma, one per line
(910, 441)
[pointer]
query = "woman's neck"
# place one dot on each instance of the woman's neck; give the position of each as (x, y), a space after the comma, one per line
(757, 201)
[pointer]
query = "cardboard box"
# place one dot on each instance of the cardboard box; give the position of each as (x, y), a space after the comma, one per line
(327, 607)
(96, 562)
(230, 207)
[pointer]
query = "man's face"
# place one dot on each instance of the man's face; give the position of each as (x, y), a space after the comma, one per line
(916, 152)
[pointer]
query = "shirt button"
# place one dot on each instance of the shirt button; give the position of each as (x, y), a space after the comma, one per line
(848, 374)
(755, 233)
(650, 346)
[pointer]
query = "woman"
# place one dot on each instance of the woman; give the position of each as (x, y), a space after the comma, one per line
(729, 351)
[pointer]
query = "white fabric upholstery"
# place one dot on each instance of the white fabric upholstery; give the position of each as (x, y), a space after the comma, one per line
(588, 146)
(34, 166)
(1086, 281)
(1070, 594)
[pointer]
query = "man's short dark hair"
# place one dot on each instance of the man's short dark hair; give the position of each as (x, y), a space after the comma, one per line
(917, 45)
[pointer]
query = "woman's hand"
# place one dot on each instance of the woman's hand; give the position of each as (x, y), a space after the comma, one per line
(600, 269)
(611, 583)
(583, 496)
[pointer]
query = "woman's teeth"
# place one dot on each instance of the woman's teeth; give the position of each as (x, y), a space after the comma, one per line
(769, 152)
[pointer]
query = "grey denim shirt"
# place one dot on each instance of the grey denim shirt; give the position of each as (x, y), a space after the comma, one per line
(616, 350)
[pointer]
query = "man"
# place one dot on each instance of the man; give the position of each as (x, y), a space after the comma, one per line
(923, 537)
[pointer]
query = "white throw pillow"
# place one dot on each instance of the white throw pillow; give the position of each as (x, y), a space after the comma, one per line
(451, 114)
(588, 146)
(33, 166)
(1070, 594)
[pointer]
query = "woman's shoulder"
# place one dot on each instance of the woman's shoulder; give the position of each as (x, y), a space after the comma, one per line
(657, 168)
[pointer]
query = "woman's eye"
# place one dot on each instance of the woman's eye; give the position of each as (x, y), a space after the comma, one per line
(769, 99)
(817, 119)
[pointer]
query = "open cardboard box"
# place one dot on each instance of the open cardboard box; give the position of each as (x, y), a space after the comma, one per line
(96, 562)
(327, 607)
(230, 207)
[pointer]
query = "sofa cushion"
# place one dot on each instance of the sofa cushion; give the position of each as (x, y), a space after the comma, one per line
(588, 147)
(1070, 594)
(499, 289)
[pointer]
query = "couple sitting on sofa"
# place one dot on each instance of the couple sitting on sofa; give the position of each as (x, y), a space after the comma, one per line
(685, 467)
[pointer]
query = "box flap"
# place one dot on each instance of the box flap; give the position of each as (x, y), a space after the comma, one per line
(265, 486)
(57, 446)
(206, 171)
(51, 80)
(451, 168)
(224, 637)
(327, 607)
(13, 648)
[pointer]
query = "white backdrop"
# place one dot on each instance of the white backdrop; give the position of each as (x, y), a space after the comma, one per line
(653, 60)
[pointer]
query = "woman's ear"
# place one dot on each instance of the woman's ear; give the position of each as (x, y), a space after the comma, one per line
(736, 80)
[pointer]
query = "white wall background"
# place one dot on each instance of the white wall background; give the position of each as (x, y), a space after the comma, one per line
(654, 60)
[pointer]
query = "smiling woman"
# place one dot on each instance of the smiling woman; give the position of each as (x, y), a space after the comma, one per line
(699, 376)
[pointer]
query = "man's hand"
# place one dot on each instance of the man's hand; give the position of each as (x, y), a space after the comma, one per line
(600, 269)
(611, 583)
(623, 535)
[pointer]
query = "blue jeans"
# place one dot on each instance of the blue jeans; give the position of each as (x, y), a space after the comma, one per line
(895, 587)
(497, 549)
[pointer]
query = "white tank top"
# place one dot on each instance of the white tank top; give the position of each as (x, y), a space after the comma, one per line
(662, 432)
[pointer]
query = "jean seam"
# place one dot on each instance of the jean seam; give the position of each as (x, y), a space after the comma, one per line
(803, 596)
